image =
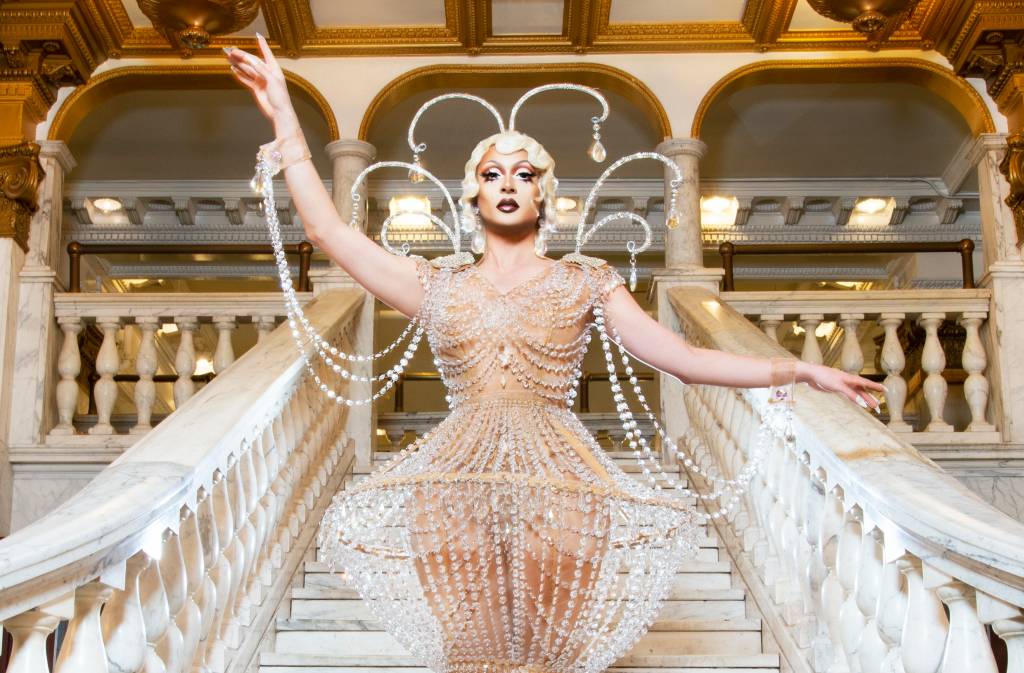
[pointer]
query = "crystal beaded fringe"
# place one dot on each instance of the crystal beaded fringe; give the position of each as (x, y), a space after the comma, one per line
(776, 423)
(266, 168)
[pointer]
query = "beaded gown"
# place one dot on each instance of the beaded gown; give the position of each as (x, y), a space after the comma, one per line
(504, 539)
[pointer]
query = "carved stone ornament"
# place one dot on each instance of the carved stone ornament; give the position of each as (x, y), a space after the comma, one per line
(867, 16)
(1012, 168)
(192, 25)
(20, 176)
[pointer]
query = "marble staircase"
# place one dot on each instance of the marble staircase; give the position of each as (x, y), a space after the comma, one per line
(707, 625)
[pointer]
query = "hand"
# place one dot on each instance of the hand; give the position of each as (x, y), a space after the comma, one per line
(852, 386)
(265, 81)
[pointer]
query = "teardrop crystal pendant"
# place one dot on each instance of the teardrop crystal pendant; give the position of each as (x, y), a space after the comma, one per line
(478, 242)
(632, 279)
(256, 184)
(673, 220)
(597, 151)
(416, 176)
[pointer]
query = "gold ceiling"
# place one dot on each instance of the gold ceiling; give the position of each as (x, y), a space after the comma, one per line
(333, 28)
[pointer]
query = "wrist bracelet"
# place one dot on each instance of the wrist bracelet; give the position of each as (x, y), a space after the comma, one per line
(286, 151)
(781, 380)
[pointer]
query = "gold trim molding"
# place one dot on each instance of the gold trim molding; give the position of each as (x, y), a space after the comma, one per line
(522, 76)
(114, 82)
(940, 81)
(20, 176)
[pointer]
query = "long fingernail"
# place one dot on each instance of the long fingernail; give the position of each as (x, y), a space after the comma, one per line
(259, 35)
(228, 50)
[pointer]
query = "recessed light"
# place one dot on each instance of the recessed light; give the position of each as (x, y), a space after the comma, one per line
(107, 205)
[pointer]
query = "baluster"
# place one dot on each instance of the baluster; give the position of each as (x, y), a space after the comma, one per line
(207, 600)
(124, 631)
(893, 361)
(83, 650)
(831, 588)
(189, 618)
(29, 632)
(851, 357)
(171, 648)
(924, 623)
(145, 366)
(890, 612)
(264, 326)
(107, 363)
(769, 323)
(933, 361)
(974, 361)
(811, 351)
(221, 575)
(848, 563)
(69, 365)
(225, 353)
(967, 645)
(156, 615)
(871, 648)
(1012, 633)
(185, 360)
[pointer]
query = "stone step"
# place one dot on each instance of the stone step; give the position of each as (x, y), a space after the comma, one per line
(675, 594)
(325, 638)
(272, 662)
(662, 625)
(707, 553)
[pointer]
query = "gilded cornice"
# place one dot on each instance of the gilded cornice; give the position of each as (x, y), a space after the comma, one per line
(933, 77)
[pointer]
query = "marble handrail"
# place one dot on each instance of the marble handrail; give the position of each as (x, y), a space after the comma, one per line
(891, 311)
(184, 536)
(855, 539)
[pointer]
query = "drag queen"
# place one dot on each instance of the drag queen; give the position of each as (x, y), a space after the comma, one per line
(504, 540)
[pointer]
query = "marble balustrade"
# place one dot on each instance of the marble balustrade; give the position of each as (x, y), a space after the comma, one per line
(888, 310)
(176, 556)
(862, 555)
(115, 314)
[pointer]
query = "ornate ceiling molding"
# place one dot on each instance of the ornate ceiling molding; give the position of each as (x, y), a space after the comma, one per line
(467, 29)
(935, 78)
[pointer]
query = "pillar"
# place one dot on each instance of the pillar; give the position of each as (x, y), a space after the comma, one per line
(348, 159)
(684, 266)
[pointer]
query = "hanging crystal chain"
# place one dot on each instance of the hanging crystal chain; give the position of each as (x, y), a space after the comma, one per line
(266, 168)
(776, 424)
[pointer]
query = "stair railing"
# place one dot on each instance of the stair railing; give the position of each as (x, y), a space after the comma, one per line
(862, 554)
(176, 556)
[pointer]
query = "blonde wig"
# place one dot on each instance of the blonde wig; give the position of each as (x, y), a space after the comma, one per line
(507, 143)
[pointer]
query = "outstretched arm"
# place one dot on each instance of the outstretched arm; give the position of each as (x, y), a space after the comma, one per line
(648, 341)
(390, 278)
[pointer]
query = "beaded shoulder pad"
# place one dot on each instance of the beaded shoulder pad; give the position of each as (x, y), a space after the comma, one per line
(584, 260)
(453, 261)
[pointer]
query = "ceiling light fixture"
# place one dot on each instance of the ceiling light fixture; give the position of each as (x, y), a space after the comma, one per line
(871, 206)
(866, 16)
(193, 24)
(107, 205)
(409, 212)
(564, 204)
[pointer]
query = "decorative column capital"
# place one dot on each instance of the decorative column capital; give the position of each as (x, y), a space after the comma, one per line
(20, 176)
(59, 152)
(675, 147)
(351, 147)
(1012, 168)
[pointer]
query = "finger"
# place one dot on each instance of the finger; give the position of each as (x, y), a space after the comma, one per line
(250, 72)
(268, 55)
(242, 77)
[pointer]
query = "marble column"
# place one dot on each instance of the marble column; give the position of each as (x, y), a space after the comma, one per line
(1003, 333)
(684, 266)
(348, 159)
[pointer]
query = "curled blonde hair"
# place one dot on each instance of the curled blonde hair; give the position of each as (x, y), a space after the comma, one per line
(507, 143)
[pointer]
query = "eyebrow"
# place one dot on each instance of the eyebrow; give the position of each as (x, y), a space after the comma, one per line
(492, 162)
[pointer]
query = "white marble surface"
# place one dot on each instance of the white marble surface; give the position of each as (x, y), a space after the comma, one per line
(146, 487)
(908, 496)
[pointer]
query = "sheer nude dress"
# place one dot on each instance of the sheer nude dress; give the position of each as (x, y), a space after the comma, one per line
(505, 539)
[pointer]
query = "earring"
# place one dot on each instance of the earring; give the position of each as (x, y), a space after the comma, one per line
(479, 241)
(469, 221)
(540, 243)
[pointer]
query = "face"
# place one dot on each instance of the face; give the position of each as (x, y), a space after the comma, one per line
(509, 189)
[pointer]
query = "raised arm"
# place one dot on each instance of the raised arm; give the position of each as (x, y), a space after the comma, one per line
(648, 341)
(390, 278)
